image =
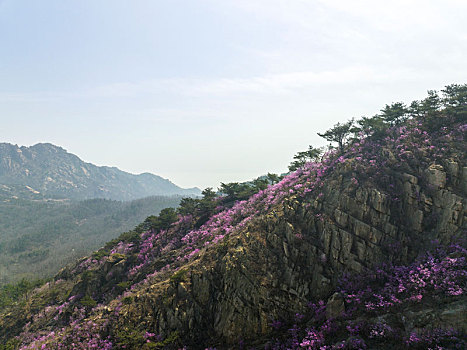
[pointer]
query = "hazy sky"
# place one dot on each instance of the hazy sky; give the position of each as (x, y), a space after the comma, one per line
(204, 91)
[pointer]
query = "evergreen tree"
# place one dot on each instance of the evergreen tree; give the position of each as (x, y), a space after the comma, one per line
(188, 206)
(301, 158)
(370, 127)
(339, 133)
(273, 178)
(206, 206)
(455, 101)
(394, 114)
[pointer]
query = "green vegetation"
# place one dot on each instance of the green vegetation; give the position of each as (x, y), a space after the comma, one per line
(39, 237)
(166, 217)
(11, 344)
(201, 208)
(235, 191)
(132, 236)
(171, 339)
(435, 111)
(88, 301)
(178, 276)
(339, 133)
(130, 338)
(12, 293)
(123, 285)
(301, 158)
(127, 300)
(374, 126)
(117, 257)
(134, 339)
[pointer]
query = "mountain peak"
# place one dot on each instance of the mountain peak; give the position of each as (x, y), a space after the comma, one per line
(53, 171)
(45, 146)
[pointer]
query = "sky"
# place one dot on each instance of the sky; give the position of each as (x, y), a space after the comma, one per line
(209, 91)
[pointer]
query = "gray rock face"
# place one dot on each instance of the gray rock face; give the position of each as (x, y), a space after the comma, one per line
(291, 254)
(278, 263)
(335, 306)
(452, 315)
(436, 176)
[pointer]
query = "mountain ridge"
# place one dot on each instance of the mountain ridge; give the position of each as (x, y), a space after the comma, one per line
(56, 173)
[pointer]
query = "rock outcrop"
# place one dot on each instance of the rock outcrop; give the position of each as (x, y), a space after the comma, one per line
(285, 255)
(291, 255)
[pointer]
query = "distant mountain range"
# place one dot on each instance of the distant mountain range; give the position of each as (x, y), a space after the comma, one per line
(48, 171)
(55, 208)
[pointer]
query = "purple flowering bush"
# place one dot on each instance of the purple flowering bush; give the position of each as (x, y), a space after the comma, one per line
(95, 291)
(434, 278)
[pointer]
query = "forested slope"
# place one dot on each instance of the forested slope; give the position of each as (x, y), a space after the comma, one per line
(37, 238)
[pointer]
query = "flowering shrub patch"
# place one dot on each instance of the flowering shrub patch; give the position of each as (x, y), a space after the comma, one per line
(157, 250)
(436, 276)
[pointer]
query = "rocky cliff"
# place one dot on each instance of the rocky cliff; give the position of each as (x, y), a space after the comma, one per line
(296, 252)
(363, 249)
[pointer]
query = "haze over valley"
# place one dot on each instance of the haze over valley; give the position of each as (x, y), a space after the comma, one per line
(55, 208)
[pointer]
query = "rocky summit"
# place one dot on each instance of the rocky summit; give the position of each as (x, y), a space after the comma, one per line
(362, 249)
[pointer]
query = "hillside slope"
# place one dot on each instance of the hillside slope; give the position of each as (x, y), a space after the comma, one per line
(37, 238)
(364, 249)
(50, 171)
